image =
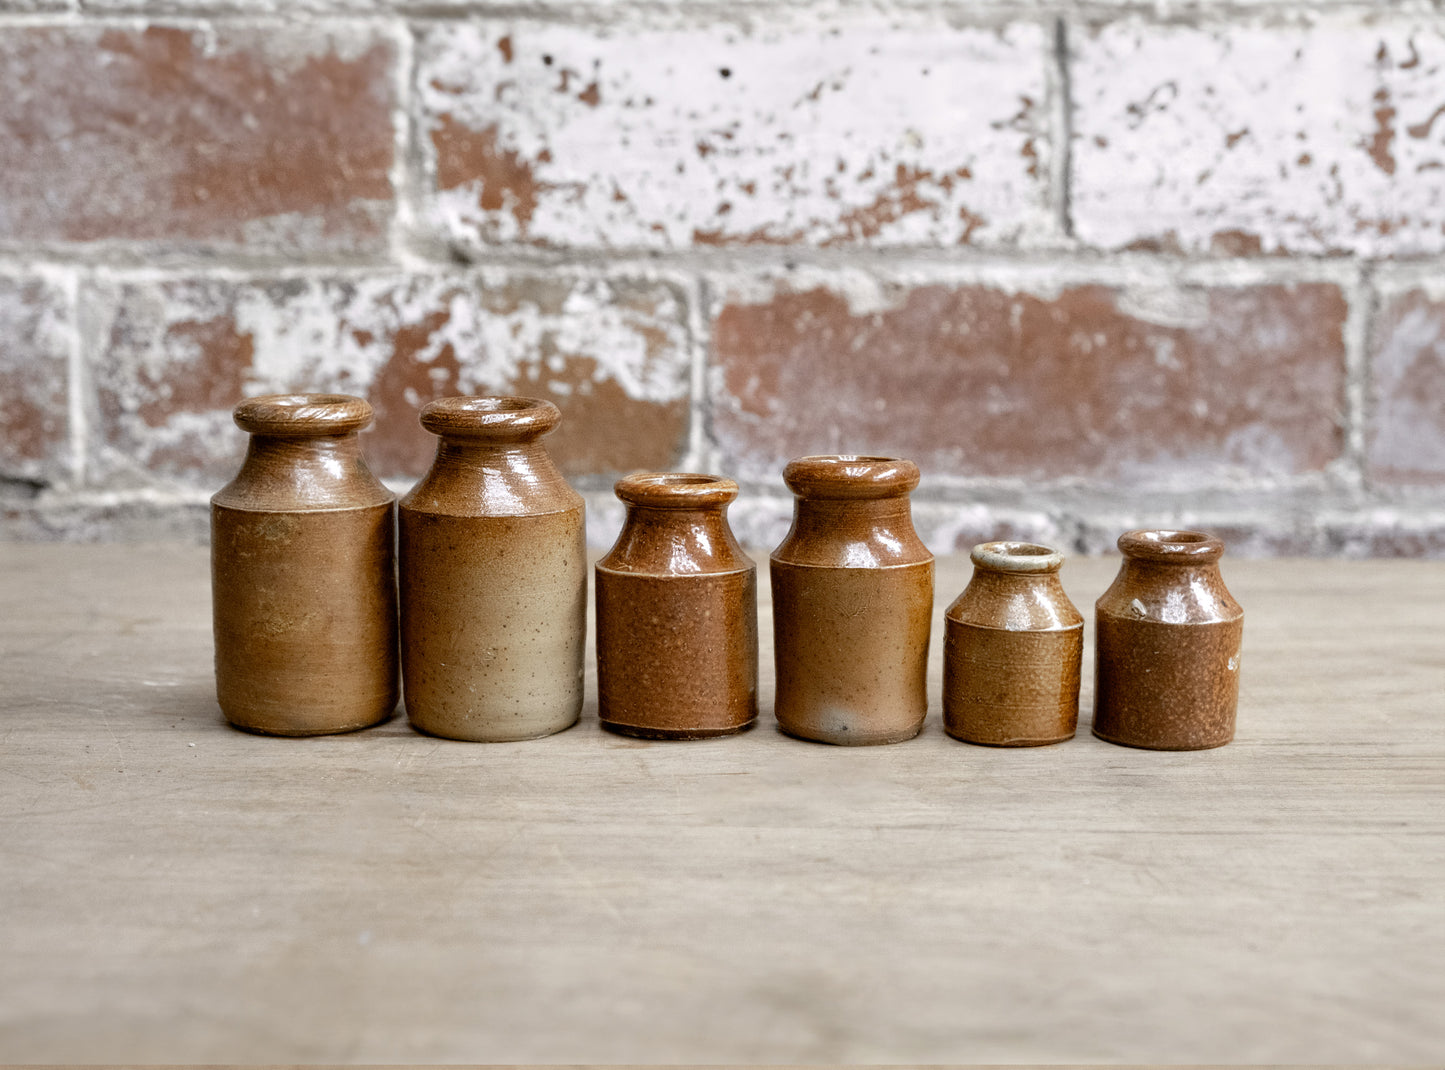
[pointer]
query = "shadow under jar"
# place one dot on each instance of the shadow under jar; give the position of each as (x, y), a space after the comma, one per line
(493, 577)
(1012, 650)
(303, 581)
(677, 614)
(852, 603)
(1167, 640)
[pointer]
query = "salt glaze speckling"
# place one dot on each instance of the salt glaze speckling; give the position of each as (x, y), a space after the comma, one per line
(1012, 651)
(493, 577)
(852, 603)
(303, 581)
(1167, 645)
(677, 616)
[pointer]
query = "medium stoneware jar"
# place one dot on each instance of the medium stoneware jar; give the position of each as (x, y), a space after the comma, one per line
(1013, 645)
(493, 577)
(303, 581)
(852, 603)
(677, 616)
(1167, 645)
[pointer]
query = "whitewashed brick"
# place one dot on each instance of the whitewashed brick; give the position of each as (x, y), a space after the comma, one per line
(857, 131)
(1321, 138)
(174, 355)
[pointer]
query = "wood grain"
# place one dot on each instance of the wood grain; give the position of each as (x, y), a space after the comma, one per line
(172, 889)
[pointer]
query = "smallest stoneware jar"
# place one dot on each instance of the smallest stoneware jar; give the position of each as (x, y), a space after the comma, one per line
(1167, 645)
(1012, 650)
(677, 613)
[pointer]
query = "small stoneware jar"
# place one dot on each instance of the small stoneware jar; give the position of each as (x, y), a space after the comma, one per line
(303, 581)
(493, 577)
(1167, 645)
(1012, 649)
(677, 615)
(852, 603)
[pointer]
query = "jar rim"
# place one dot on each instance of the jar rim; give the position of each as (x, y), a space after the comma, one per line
(300, 415)
(1010, 556)
(676, 490)
(842, 476)
(1170, 545)
(501, 417)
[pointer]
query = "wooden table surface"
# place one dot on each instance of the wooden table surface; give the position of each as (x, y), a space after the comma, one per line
(171, 889)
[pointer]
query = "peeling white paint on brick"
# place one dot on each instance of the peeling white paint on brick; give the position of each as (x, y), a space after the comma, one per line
(1312, 139)
(339, 334)
(859, 132)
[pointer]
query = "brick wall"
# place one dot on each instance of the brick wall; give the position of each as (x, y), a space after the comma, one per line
(1092, 265)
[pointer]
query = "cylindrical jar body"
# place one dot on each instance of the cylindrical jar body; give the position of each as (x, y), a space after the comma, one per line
(1167, 645)
(493, 577)
(677, 616)
(303, 581)
(852, 604)
(1012, 650)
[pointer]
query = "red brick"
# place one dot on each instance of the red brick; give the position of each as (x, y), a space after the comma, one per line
(34, 324)
(267, 138)
(1406, 433)
(879, 130)
(1148, 388)
(613, 354)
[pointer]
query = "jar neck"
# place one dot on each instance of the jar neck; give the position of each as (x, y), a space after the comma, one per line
(676, 542)
(302, 472)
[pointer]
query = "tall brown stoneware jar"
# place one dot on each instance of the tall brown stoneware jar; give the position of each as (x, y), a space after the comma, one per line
(1013, 646)
(493, 577)
(303, 582)
(1167, 645)
(677, 613)
(852, 603)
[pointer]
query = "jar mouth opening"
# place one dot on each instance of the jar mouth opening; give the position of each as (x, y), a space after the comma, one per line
(301, 415)
(676, 490)
(497, 417)
(1007, 556)
(849, 476)
(1168, 544)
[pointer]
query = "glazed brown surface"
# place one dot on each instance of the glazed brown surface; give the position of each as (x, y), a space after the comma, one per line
(1013, 648)
(852, 603)
(493, 577)
(302, 573)
(677, 625)
(1167, 645)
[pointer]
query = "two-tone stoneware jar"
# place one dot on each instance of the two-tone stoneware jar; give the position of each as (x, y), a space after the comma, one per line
(1012, 650)
(1167, 645)
(677, 618)
(493, 577)
(852, 603)
(303, 582)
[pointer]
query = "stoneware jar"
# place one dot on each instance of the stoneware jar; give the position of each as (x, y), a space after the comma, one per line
(493, 577)
(1167, 645)
(677, 616)
(1012, 649)
(303, 582)
(852, 603)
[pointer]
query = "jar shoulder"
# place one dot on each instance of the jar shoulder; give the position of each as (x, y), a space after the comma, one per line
(492, 486)
(1015, 603)
(840, 538)
(1169, 594)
